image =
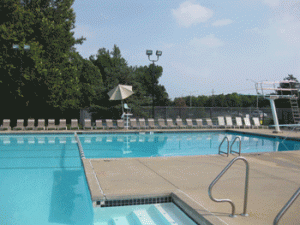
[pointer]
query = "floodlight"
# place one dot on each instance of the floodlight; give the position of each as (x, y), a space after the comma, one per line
(148, 52)
(158, 53)
(15, 47)
(26, 47)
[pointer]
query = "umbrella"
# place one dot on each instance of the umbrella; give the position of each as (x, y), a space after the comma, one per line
(120, 92)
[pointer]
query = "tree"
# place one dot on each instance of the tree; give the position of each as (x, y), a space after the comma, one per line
(44, 77)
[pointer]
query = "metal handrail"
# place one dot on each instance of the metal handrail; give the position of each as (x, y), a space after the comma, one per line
(240, 146)
(286, 207)
(246, 186)
(227, 146)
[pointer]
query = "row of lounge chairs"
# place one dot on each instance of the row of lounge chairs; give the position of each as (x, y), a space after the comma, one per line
(134, 124)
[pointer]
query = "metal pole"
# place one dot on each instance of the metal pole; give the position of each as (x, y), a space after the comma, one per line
(153, 111)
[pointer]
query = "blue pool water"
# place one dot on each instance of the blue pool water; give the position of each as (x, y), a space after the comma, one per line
(42, 181)
(176, 144)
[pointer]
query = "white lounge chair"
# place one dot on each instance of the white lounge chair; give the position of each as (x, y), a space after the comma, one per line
(99, 124)
(151, 123)
(162, 123)
(51, 124)
(170, 123)
(74, 124)
(221, 122)
(238, 121)
(133, 123)
(229, 123)
(109, 124)
(209, 123)
(30, 124)
(189, 123)
(62, 124)
(5, 125)
(87, 124)
(247, 123)
(142, 123)
(257, 123)
(199, 123)
(41, 124)
(180, 123)
(20, 125)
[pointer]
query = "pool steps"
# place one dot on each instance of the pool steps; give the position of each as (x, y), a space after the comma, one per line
(154, 215)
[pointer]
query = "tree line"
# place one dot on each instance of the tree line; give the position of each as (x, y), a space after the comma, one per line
(52, 80)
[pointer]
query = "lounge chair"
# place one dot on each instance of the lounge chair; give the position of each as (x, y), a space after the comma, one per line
(41, 124)
(74, 124)
(5, 125)
(30, 124)
(247, 123)
(257, 123)
(151, 123)
(229, 123)
(170, 123)
(120, 124)
(221, 122)
(161, 123)
(209, 123)
(133, 124)
(238, 121)
(180, 123)
(189, 123)
(51, 124)
(109, 124)
(99, 124)
(87, 124)
(142, 123)
(62, 124)
(20, 125)
(199, 123)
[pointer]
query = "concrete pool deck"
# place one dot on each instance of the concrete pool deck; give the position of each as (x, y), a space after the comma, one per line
(274, 177)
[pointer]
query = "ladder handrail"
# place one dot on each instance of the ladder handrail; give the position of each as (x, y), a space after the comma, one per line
(227, 146)
(240, 146)
(246, 186)
(286, 207)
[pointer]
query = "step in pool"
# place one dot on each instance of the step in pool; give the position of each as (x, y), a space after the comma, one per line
(154, 214)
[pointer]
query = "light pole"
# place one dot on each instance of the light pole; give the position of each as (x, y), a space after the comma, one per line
(149, 53)
(17, 48)
(256, 87)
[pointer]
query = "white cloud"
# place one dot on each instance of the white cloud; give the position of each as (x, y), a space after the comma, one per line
(272, 3)
(209, 41)
(189, 13)
(222, 22)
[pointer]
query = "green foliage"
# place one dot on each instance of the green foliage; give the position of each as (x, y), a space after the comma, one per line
(51, 75)
(115, 70)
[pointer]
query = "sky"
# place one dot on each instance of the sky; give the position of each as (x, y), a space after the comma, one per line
(208, 46)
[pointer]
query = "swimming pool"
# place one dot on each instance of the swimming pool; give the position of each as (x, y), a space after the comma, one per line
(176, 144)
(42, 181)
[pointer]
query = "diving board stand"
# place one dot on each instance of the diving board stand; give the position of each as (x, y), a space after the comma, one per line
(288, 89)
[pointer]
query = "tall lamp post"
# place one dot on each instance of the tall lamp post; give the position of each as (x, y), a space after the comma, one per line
(17, 48)
(256, 87)
(149, 53)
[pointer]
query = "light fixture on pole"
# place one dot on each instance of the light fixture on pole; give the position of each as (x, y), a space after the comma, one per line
(158, 54)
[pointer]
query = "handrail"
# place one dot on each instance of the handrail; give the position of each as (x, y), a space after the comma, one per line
(240, 145)
(286, 207)
(246, 186)
(227, 146)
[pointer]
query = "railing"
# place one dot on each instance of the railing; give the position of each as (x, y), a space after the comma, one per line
(246, 187)
(286, 207)
(227, 146)
(240, 146)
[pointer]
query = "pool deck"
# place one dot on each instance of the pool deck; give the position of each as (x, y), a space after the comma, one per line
(273, 179)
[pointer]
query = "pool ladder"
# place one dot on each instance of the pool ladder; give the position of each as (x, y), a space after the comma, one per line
(229, 149)
(228, 200)
(286, 207)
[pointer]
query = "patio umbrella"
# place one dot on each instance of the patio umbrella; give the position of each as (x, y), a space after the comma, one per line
(120, 92)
